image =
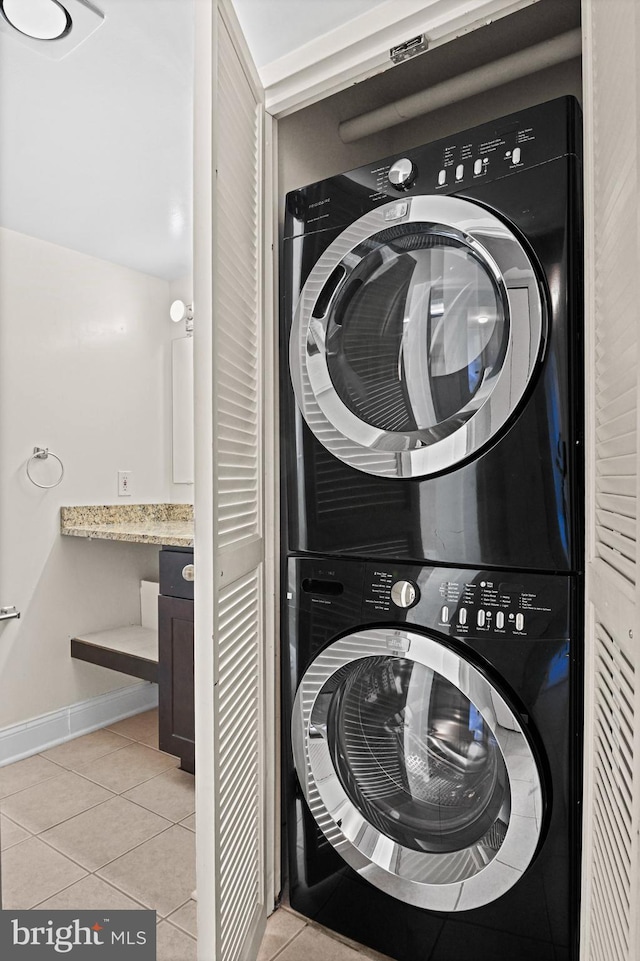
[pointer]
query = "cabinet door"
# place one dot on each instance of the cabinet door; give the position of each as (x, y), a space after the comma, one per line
(232, 360)
(175, 679)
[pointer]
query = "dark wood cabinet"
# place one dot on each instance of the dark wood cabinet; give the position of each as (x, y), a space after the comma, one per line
(175, 659)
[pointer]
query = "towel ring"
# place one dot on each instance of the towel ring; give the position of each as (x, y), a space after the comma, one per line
(41, 453)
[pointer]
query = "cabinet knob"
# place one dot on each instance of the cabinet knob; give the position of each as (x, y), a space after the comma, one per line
(189, 572)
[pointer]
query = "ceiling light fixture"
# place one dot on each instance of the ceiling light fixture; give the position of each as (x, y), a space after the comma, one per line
(39, 19)
(52, 28)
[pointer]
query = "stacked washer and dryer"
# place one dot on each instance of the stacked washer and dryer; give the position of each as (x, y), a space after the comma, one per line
(432, 540)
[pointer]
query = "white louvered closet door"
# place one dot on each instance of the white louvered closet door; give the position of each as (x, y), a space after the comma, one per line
(233, 639)
(611, 864)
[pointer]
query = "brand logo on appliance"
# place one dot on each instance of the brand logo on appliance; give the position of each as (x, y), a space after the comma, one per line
(118, 935)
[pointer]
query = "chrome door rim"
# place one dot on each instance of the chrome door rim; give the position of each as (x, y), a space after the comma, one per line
(386, 863)
(397, 455)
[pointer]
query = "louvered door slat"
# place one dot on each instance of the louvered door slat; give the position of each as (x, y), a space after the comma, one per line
(616, 562)
(617, 521)
(239, 761)
(617, 504)
(617, 446)
(616, 466)
(623, 485)
(609, 430)
(608, 749)
(621, 378)
(610, 387)
(620, 405)
(620, 335)
(618, 836)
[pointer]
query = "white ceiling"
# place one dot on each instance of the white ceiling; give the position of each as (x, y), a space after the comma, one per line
(95, 149)
(274, 28)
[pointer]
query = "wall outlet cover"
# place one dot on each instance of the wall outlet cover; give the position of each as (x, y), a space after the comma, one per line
(124, 483)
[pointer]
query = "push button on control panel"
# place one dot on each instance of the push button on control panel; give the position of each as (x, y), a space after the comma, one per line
(444, 615)
(516, 155)
(462, 615)
(500, 620)
(477, 167)
(442, 177)
(459, 171)
(519, 622)
(481, 618)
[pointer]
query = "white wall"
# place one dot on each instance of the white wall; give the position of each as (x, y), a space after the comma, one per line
(85, 367)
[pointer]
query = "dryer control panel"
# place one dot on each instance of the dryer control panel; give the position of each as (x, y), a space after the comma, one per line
(455, 602)
(459, 162)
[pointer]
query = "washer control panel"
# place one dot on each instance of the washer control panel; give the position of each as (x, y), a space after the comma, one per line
(344, 592)
(468, 603)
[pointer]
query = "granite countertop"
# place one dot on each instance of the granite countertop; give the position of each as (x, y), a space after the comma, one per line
(170, 524)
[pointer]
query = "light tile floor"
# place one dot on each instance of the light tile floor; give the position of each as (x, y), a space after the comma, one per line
(103, 821)
(290, 937)
(107, 821)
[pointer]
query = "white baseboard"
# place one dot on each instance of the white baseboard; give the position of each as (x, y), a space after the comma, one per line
(40, 733)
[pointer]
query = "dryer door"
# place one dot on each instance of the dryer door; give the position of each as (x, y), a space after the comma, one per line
(416, 769)
(415, 336)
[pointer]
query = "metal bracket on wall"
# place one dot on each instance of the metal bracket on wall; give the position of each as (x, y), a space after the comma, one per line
(6, 613)
(410, 48)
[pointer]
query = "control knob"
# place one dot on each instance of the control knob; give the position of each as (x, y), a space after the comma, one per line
(402, 174)
(404, 593)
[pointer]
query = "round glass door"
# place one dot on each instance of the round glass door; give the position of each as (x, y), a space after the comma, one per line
(418, 335)
(415, 755)
(416, 769)
(412, 344)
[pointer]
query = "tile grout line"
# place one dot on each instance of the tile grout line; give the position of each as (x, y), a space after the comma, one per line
(355, 946)
(90, 760)
(93, 873)
(89, 873)
(287, 943)
(92, 807)
(121, 793)
(177, 926)
(63, 769)
(107, 863)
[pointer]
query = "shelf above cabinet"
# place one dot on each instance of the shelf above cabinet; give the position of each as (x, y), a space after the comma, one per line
(130, 650)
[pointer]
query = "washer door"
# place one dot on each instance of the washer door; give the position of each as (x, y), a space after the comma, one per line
(416, 769)
(415, 336)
